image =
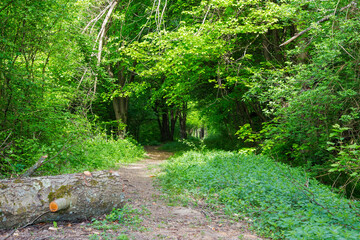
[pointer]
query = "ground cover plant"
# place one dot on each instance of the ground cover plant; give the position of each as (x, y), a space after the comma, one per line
(279, 201)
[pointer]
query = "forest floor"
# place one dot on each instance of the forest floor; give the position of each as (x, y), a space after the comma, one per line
(155, 215)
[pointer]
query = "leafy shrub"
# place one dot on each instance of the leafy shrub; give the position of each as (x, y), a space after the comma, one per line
(282, 202)
(97, 153)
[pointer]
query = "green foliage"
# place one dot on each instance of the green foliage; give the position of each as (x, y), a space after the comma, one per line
(346, 158)
(108, 236)
(246, 133)
(42, 105)
(97, 153)
(314, 89)
(211, 142)
(178, 146)
(127, 216)
(222, 142)
(279, 201)
(74, 155)
(216, 64)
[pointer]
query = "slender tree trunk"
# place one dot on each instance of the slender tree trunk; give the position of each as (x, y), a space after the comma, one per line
(166, 119)
(277, 50)
(173, 118)
(182, 121)
(202, 132)
(165, 128)
(266, 49)
(120, 103)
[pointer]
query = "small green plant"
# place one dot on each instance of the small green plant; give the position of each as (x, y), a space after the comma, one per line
(198, 145)
(108, 236)
(246, 133)
(126, 216)
(122, 237)
(346, 156)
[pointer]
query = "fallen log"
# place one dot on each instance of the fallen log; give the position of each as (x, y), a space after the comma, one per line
(70, 197)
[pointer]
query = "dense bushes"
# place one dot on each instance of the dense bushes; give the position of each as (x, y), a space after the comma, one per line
(73, 154)
(280, 201)
(316, 89)
(96, 153)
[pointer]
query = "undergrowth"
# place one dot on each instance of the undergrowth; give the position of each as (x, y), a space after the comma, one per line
(176, 146)
(279, 201)
(97, 153)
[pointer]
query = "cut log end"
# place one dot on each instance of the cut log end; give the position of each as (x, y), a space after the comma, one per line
(53, 207)
(59, 204)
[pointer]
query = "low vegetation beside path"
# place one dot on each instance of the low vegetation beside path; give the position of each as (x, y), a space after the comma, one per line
(279, 201)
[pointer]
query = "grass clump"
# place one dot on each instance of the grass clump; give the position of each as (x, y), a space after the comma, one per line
(280, 202)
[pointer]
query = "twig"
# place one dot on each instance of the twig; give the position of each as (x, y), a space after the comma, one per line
(43, 160)
(5, 140)
(95, 19)
(28, 224)
(326, 18)
(32, 169)
(148, 19)
(347, 51)
(203, 22)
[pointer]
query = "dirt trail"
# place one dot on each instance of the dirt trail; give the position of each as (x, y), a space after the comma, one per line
(161, 220)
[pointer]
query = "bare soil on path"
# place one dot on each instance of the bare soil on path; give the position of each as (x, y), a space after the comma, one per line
(161, 221)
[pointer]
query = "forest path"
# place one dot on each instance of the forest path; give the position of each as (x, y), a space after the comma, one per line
(161, 219)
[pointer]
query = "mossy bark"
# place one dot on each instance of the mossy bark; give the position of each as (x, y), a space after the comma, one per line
(23, 200)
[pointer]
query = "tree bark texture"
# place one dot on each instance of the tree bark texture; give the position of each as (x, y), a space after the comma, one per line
(120, 103)
(92, 194)
(182, 121)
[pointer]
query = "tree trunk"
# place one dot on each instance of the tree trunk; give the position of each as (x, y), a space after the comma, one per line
(167, 117)
(202, 133)
(82, 195)
(173, 119)
(182, 121)
(120, 103)
(165, 127)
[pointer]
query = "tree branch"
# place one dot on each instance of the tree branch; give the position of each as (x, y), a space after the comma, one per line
(31, 170)
(326, 18)
(96, 19)
(102, 34)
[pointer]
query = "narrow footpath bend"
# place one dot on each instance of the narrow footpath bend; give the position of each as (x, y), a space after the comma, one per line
(162, 221)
